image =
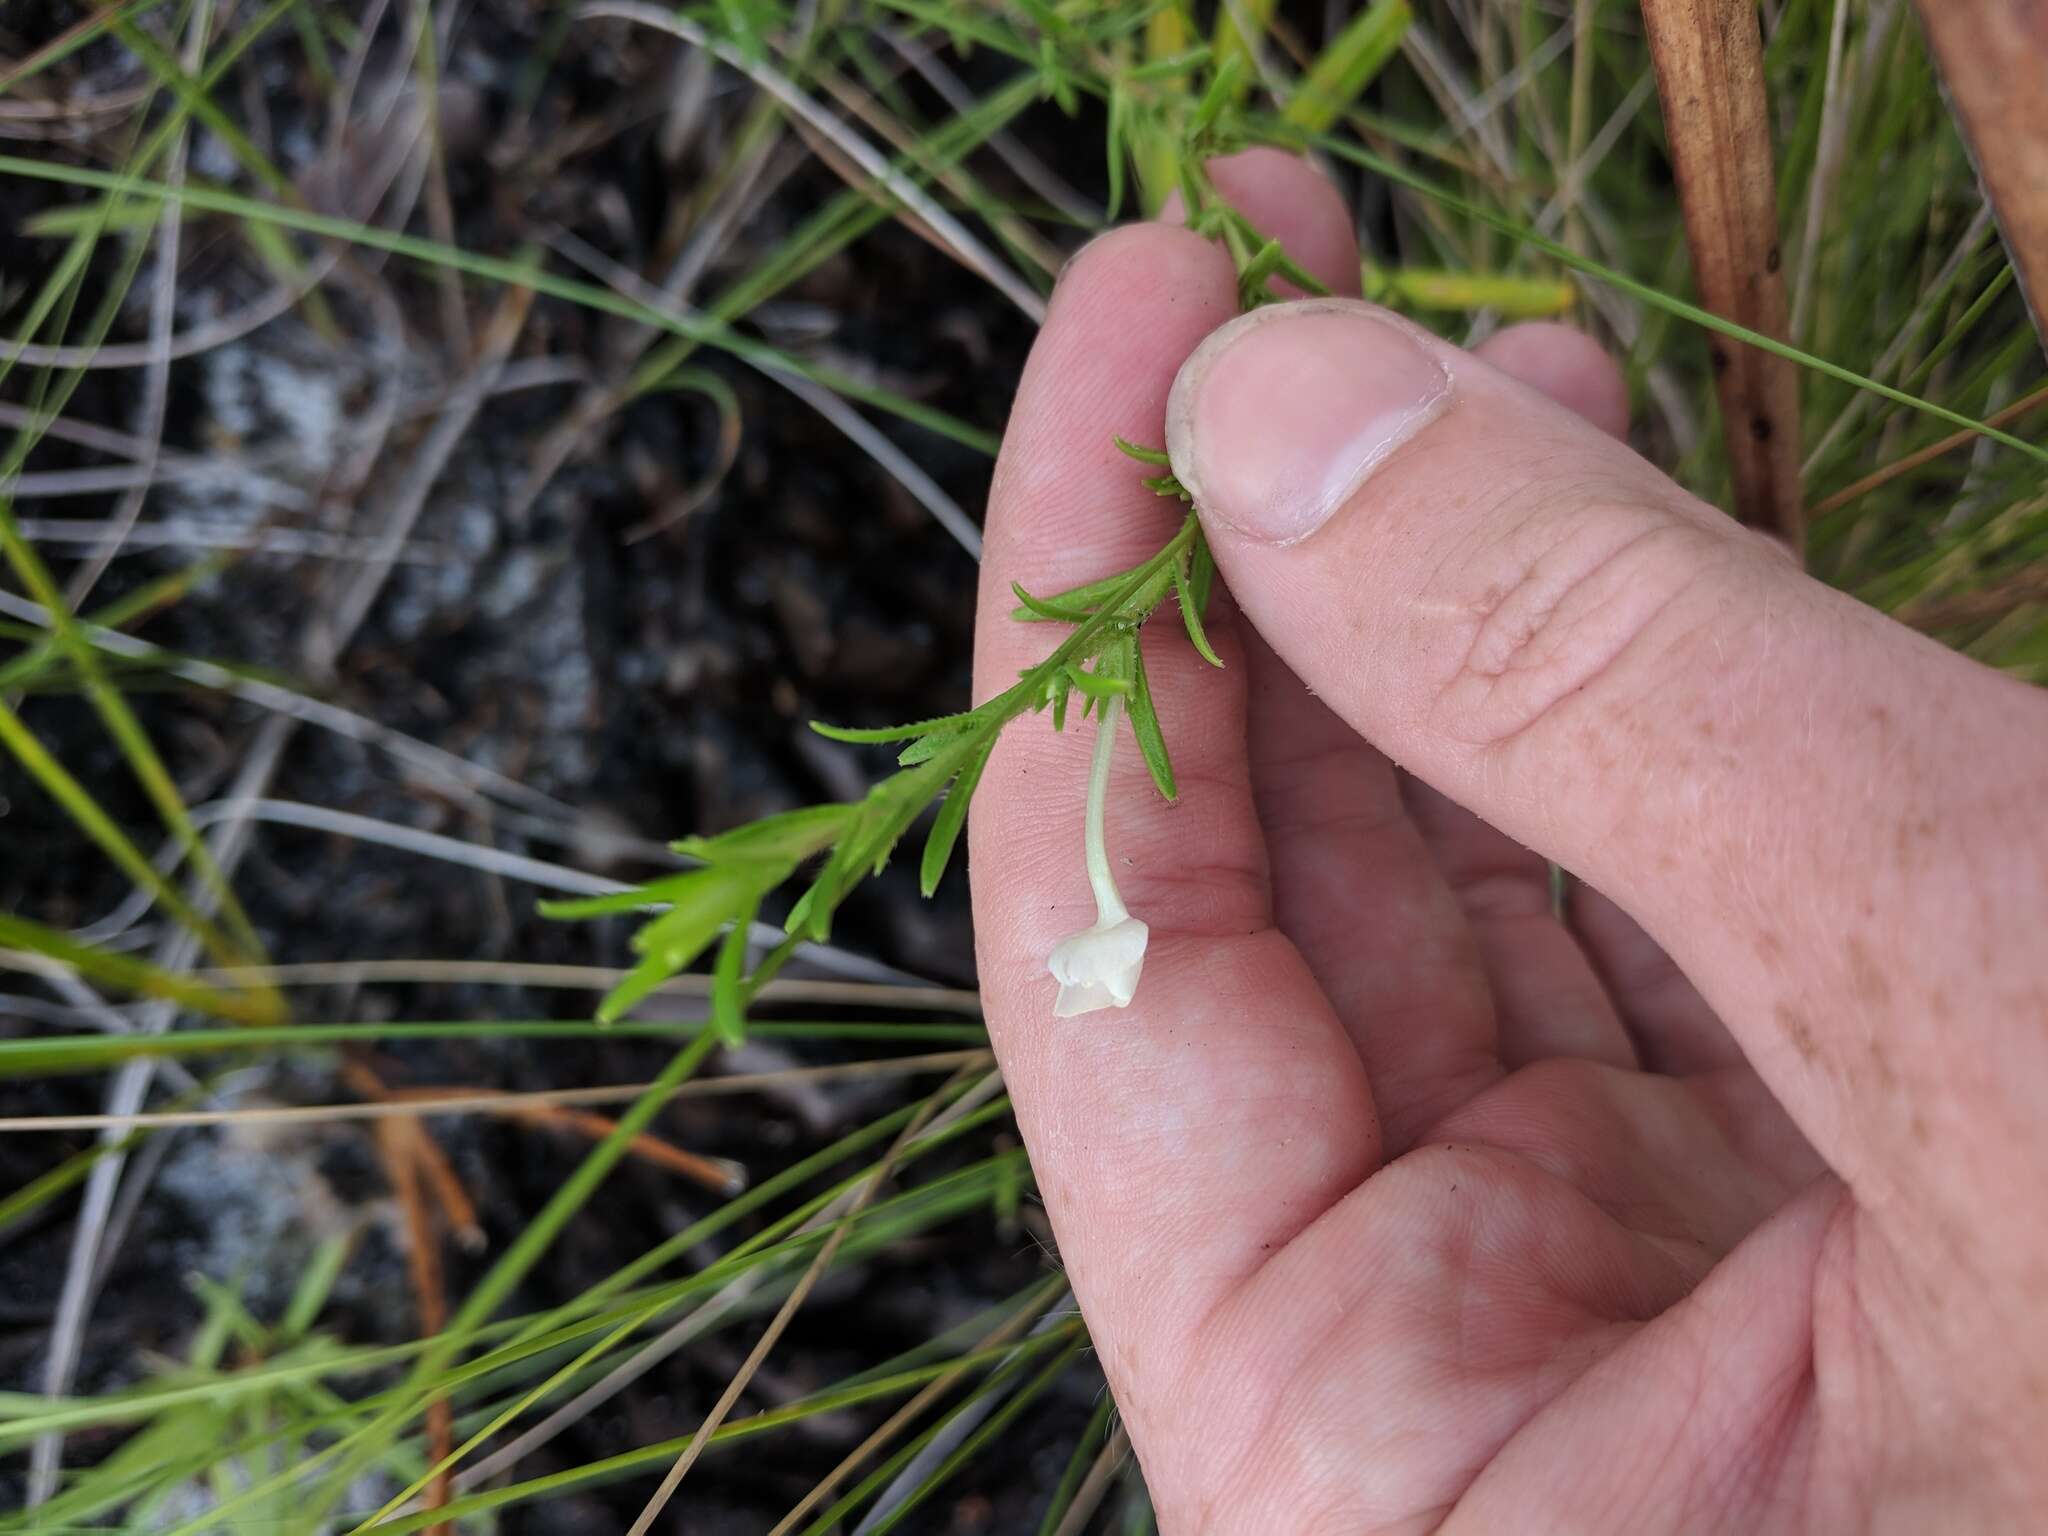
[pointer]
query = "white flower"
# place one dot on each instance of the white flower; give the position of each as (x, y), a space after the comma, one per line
(1099, 966)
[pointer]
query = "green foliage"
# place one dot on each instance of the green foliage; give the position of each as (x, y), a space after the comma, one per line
(1350, 63)
(941, 765)
(1495, 186)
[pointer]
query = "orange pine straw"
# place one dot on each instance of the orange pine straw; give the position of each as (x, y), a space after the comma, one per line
(720, 1175)
(398, 1143)
(441, 1178)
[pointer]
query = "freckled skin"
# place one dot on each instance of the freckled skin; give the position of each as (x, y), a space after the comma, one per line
(1395, 1203)
(1799, 1032)
(1866, 976)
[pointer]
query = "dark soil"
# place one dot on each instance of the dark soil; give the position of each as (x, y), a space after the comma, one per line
(658, 687)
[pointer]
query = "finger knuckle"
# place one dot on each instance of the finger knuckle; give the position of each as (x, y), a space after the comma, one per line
(1599, 600)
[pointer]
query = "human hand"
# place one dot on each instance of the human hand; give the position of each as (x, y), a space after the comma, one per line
(1394, 1201)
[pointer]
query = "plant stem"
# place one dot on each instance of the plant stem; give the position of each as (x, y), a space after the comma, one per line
(1109, 905)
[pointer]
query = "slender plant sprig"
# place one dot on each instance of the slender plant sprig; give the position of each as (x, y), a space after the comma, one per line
(718, 901)
(1102, 658)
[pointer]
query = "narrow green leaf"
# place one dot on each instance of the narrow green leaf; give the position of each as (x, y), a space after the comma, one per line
(799, 918)
(314, 1287)
(728, 1005)
(257, 1006)
(1348, 65)
(1098, 684)
(1145, 724)
(905, 797)
(1171, 68)
(1038, 607)
(789, 836)
(938, 846)
(1119, 113)
(60, 1055)
(1260, 269)
(1230, 41)
(634, 988)
(686, 930)
(925, 748)
(1223, 89)
(23, 670)
(1201, 574)
(62, 786)
(868, 734)
(477, 1505)
(639, 899)
(96, 215)
(192, 93)
(1191, 609)
(1154, 456)
(44, 1188)
(1516, 297)
(1085, 598)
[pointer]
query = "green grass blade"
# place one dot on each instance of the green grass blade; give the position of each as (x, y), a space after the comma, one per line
(1348, 65)
(706, 331)
(127, 974)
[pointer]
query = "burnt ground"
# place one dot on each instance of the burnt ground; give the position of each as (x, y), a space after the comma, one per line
(657, 687)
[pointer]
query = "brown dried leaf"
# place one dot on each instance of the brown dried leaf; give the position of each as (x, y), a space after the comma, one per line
(1994, 61)
(1710, 77)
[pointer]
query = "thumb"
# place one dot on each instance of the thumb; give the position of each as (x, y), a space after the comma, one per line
(1530, 618)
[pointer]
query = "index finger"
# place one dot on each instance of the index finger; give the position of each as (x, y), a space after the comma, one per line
(1181, 1141)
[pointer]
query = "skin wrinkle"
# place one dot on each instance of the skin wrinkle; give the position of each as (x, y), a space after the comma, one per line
(1281, 821)
(1688, 1344)
(1588, 1092)
(1452, 1281)
(1782, 1439)
(1576, 670)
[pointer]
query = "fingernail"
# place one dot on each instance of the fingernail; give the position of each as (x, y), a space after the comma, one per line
(1281, 415)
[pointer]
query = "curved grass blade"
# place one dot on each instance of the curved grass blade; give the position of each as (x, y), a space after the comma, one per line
(519, 274)
(125, 972)
(1093, 1434)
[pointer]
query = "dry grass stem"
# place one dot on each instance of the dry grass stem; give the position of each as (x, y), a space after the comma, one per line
(1088, 1497)
(720, 1175)
(1877, 477)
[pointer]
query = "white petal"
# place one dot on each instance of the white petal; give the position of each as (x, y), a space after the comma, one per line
(1078, 998)
(1099, 967)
